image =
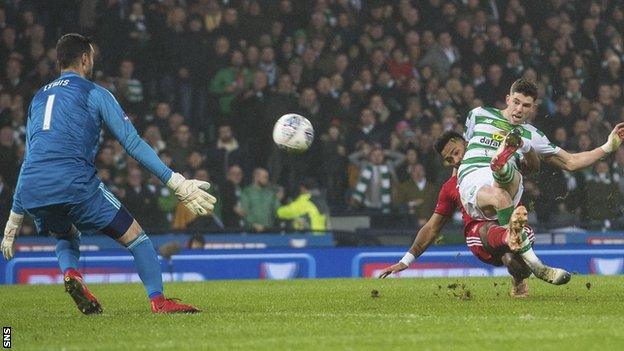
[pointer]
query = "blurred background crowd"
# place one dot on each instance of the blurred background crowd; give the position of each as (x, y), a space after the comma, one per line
(204, 80)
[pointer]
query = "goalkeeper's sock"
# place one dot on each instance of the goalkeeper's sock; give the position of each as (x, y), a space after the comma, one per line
(505, 175)
(147, 264)
(504, 215)
(68, 252)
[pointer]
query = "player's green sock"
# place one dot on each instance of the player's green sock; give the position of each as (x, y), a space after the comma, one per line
(504, 215)
(505, 175)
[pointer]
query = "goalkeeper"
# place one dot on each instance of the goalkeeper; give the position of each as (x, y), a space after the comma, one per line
(58, 186)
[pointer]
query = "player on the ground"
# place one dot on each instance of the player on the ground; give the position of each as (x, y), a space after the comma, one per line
(58, 186)
(489, 183)
(491, 243)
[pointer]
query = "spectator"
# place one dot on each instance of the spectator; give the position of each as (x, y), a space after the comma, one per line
(141, 201)
(417, 65)
(404, 170)
(225, 153)
(181, 146)
(268, 65)
(153, 137)
(368, 131)
(13, 81)
(129, 89)
(495, 88)
(562, 217)
(229, 82)
(617, 169)
(259, 203)
(334, 172)
(399, 67)
(309, 211)
(185, 219)
(284, 99)
(8, 156)
(374, 187)
(252, 122)
(602, 195)
(441, 56)
(6, 200)
(160, 118)
(416, 196)
(231, 198)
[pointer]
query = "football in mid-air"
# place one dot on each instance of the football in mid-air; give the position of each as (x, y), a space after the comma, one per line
(293, 133)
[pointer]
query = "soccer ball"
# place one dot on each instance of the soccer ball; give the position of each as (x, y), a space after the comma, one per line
(293, 133)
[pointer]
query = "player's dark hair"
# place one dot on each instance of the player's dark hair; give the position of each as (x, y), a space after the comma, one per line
(445, 138)
(70, 47)
(524, 87)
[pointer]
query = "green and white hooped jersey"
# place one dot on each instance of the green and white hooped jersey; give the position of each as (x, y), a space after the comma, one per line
(485, 130)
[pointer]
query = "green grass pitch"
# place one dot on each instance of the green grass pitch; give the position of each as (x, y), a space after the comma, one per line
(338, 314)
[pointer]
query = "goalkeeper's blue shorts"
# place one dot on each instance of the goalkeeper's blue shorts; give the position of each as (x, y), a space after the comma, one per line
(102, 212)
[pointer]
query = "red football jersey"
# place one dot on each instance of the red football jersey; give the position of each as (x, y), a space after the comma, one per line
(449, 201)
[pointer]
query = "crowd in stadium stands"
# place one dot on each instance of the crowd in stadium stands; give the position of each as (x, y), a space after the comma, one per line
(204, 80)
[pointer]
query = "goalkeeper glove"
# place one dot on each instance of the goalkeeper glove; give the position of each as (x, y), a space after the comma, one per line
(613, 142)
(11, 230)
(193, 194)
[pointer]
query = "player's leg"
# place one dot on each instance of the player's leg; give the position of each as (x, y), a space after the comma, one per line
(54, 220)
(492, 249)
(520, 243)
(148, 266)
(499, 164)
(495, 202)
(505, 174)
(105, 213)
(519, 272)
(482, 200)
(517, 238)
(511, 184)
(68, 248)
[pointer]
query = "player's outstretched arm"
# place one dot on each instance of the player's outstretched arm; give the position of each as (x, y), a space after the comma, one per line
(425, 237)
(192, 193)
(576, 161)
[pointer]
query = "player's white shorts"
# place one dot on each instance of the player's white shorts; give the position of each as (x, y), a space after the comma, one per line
(469, 187)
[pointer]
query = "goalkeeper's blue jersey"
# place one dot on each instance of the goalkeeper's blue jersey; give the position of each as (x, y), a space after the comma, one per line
(62, 136)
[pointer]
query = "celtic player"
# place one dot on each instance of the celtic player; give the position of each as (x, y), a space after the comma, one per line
(489, 183)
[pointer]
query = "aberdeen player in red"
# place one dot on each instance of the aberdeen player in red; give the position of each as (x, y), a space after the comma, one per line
(488, 241)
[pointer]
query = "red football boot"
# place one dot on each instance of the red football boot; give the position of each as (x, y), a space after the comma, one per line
(74, 285)
(161, 304)
(511, 143)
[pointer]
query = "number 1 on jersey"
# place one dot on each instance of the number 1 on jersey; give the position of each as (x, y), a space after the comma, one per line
(47, 117)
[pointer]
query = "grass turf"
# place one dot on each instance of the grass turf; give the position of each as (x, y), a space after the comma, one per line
(416, 314)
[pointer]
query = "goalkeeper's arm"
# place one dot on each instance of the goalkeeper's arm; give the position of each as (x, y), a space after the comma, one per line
(192, 193)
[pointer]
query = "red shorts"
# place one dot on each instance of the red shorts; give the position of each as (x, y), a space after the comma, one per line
(473, 240)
